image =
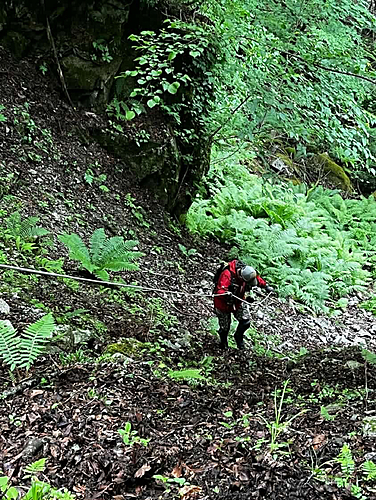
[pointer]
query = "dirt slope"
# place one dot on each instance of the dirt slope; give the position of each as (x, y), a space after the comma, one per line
(208, 433)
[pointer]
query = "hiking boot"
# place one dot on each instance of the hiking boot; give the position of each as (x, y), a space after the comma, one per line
(239, 340)
(223, 343)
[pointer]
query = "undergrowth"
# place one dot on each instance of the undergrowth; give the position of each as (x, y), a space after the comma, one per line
(314, 245)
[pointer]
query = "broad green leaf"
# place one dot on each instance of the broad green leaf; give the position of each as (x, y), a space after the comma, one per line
(130, 115)
(12, 493)
(173, 88)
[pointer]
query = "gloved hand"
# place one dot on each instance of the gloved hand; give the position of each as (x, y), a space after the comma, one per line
(269, 289)
(230, 299)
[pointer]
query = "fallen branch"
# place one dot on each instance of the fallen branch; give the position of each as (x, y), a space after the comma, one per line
(59, 70)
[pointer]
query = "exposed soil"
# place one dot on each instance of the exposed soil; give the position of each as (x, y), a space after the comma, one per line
(69, 409)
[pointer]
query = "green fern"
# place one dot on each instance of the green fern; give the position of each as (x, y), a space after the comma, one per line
(369, 356)
(25, 229)
(112, 254)
(20, 351)
(293, 235)
(32, 469)
(9, 344)
(369, 470)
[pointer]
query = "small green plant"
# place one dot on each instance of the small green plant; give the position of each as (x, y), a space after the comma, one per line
(279, 425)
(232, 423)
(130, 438)
(189, 374)
(112, 254)
(326, 415)
(369, 470)
(369, 356)
(91, 177)
(369, 305)
(168, 482)
(185, 251)
(137, 211)
(102, 51)
(159, 317)
(29, 131)
(78, 356)
(43, 68)
(263, 345)
(20, 351)
(38, 490)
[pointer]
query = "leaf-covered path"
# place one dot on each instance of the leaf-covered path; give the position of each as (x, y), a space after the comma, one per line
(210, 432)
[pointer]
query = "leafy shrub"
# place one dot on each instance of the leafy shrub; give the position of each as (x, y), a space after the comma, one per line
(113, 254)
(157, 74)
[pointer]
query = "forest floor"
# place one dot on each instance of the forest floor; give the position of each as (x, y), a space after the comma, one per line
(291, 417)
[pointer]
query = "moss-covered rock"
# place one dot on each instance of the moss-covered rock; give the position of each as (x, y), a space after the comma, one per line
(129, 347)
(90, 79)
(155, 161)
(333, 172)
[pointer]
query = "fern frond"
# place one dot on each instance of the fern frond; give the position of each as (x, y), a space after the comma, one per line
(116, 255)
(113, 254)
(13, 223)
(26, 226)
(112, 247)
(369, 356)
(102, 274)
(37, 232)
(33, 469)
(9, 344)
(77, 250)
(369, 469)
(34, 339)
(97, 242)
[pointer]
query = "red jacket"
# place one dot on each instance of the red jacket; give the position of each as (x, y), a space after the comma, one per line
(227, 278)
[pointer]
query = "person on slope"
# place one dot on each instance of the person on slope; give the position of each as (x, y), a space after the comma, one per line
(234, 281)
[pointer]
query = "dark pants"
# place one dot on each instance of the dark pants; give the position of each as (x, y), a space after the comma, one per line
(224, 320)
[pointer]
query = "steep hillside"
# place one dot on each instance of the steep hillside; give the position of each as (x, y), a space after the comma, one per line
(271, 422)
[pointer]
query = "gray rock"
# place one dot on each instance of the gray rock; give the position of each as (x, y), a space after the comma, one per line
(364, 333)
(341, 339)
(4, 307)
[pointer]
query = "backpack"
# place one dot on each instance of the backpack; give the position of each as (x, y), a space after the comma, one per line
(218, 272)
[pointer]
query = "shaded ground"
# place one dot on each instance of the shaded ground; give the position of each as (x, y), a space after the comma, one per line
(210, 429)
